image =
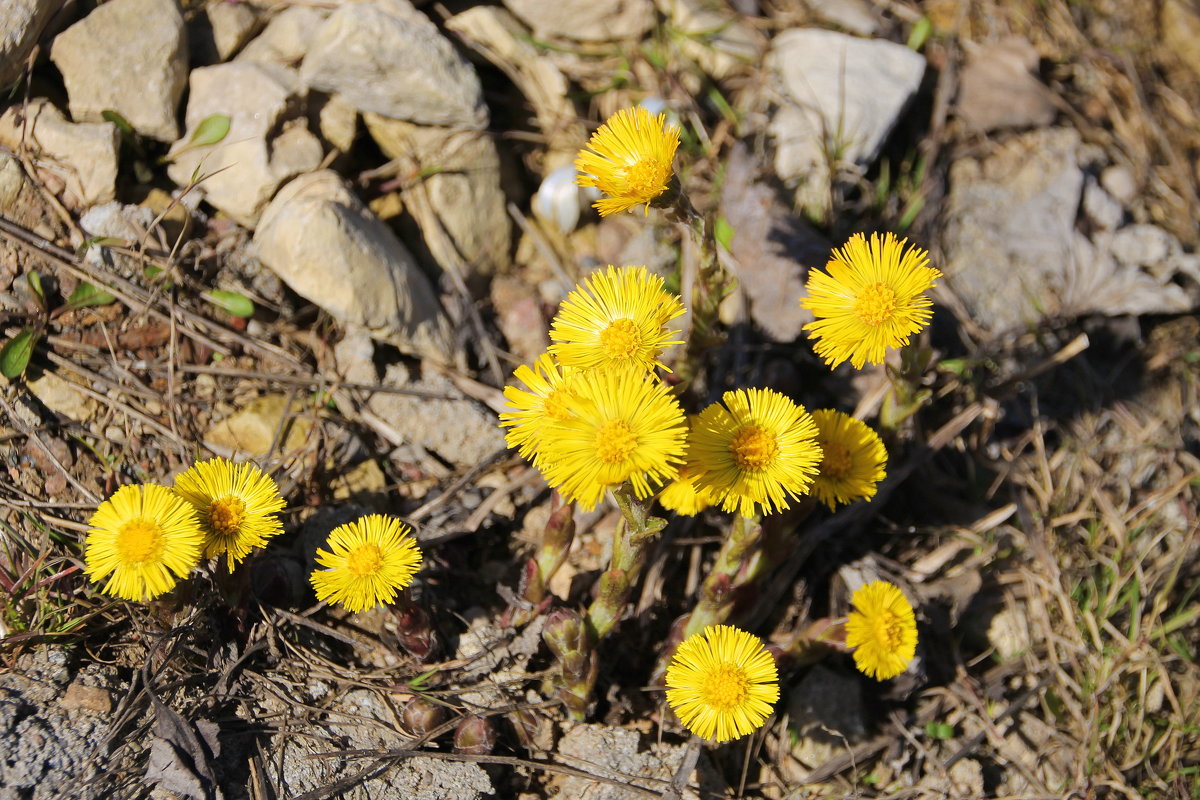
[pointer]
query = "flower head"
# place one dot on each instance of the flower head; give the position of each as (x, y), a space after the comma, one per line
(368, 562)
(682, 496)
(236, 504)
(622, 425)
(722, 683)
(755, 451)
(852, 462)
(541, 404)
(617, 319)
(872, 298)
(882, 630)
(143, 539)
(629, 159)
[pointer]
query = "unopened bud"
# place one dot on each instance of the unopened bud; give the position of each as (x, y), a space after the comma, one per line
(420, 716)
(566, 636)
(475, 736)
(556, 540)
(414, 630)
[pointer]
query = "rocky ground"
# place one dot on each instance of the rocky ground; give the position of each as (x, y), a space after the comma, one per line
(322, 235)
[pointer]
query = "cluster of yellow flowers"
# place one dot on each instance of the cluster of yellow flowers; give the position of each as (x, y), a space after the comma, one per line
(144, 538)
(593, 413)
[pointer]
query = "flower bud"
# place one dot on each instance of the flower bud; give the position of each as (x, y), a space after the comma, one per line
(566, 636)
(414, 630)
(475, 736)
(420, 716)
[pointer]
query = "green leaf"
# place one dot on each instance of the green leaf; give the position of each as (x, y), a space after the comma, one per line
(211, 130)
(97, 241)
(920, 33)
(17, 351)
(152, 272)
(34, 279)
(723, 232)
(86, 295)
(233, 303)
(939, 730)
(116, 119)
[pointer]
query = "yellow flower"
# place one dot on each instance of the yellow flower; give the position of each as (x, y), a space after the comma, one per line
(853, 459)
(882, 630)
(143, 539)
(756, 451)
(236, 504)
(540, 405)
(682, 496)
(629, 159)
(368, 562)
(871, 299)
(722, 683)
(616, 319)
(622, 425)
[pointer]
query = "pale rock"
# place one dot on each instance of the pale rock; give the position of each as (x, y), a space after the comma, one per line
(1012, 252)
(714, 37)
(12, 181)
(329, 248)
(1143, 245)
(232, 26)
(21, 23)
(453, 426)
(586, 20)
(80, 697)
(115, 220)
(1120, 183)
(458, 204)
(1102, 209)
(998, 88)
(519, 317)
(282, 44)
(619, 754)
(63, 397)
(966, 778)
(855, 16)
(1008, 632)
(242, 170)
(295, 151)
(365, 479)
(338, 121)
(390, 59)
(129, 56)
(252, 430)
(82, 155)
(840, 98)
(827, 715)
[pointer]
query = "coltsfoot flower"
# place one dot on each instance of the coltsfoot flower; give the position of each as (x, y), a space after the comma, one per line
(367, 564)
(236, 504)
(722, 683)
(756, 451)
(629, 159)
(852, 462)
(623, 425)
(541, 404)
(143, 539)
(616, 319)
(872, 297)
(882, 630)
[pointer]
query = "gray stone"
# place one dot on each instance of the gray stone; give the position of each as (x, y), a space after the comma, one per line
(281, 46)
(855, 16)
(1120, 183)
(453, 426)
(83, 156)
(390, 59)
(619, 754)
(232, 25)
(840, 97)
(827, 715)
(998, 88)
(1144, 246)
(242, 171)
(1013, 255)
(1102, 209)
(21, 23)
(458, 204)
(329, 248)
(585, 20)
(129, 56)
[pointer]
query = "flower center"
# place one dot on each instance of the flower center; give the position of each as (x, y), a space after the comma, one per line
(621, 339)
(647, 178)
(615, 441)
(226, 515)
(875, 304)
(139, 541)
(889, 629)
(724, 687)
(753, 448)
(556, 405)
(836, 461)
(364, 560)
